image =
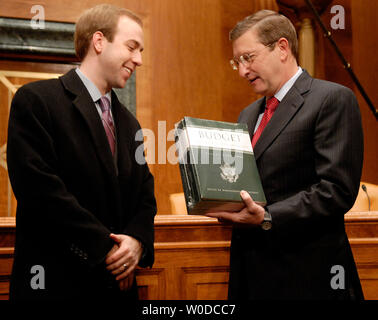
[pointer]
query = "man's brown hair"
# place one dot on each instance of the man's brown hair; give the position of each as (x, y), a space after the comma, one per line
(270, 27)
(104, 18)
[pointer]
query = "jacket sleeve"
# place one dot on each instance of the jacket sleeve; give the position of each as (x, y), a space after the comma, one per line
(43, 199)
(141, 225)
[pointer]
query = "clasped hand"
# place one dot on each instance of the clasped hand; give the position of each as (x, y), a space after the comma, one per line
(251, 215)
(123, 258)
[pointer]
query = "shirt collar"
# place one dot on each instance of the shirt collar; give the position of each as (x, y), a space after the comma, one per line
(91, 87)
(287, 86)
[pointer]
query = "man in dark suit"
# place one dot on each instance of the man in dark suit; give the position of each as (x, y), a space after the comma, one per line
(85, 197)
(308, 144)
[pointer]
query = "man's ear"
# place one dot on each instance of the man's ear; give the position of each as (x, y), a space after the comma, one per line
(283, 46)
(98, 39)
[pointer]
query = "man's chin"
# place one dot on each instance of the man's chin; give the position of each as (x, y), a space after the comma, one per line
(259, 90)
(120, 84)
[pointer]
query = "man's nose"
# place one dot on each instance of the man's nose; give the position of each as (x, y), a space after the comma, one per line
(137, 58)
(243, 70)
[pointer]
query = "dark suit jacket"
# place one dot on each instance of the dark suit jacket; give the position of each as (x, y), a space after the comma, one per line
(310, 159)
(70, 192)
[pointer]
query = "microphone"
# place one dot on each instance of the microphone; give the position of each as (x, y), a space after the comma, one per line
(365, 190)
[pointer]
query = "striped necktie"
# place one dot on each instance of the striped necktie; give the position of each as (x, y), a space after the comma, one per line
(107, 121)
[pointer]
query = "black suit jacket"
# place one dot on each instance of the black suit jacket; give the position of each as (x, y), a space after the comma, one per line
(71, 193)
(310, 159)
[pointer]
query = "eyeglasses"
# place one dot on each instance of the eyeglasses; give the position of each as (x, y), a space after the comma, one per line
(246, 58)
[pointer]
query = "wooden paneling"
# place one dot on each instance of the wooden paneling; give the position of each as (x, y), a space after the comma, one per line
(205, 283)
(7, 238)
(362, 229)
(194, 254)
(365, 64)
(355, 43)
(192, 257)
(60, 10)
(330, 65)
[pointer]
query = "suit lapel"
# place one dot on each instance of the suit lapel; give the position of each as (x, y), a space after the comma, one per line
(286, 110)
(254, 115)
(87, 109)
(122, 135)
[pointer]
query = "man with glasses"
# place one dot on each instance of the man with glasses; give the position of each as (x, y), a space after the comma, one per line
(308, 144)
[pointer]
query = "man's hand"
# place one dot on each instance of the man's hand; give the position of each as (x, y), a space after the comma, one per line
(123, 258)
(251, 215)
